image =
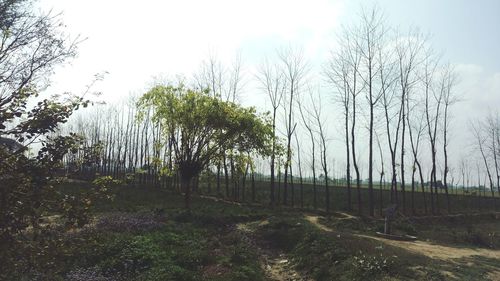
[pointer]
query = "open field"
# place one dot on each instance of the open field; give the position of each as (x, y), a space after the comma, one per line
(459, 202)
(146, 234)
(468, 200)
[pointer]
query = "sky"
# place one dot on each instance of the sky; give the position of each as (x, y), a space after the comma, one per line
(135, 41)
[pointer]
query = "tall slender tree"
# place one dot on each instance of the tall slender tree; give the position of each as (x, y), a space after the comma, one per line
(448, 81)
(433, 105)
(273, 82)
(369, 40)
(295, 69)
(338, 72)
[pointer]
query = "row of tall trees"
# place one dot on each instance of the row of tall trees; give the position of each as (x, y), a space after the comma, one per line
(385, 84)
(487, 143)
(394, 80)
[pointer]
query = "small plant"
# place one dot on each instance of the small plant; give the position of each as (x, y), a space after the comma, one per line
(492, 239)
(372, 264)
(76, 208)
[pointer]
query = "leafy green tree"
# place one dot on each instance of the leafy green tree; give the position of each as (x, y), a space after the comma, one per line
(31, 45)
(201, 127)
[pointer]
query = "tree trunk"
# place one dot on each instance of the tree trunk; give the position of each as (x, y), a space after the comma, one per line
(218, 178)
(381, 198)
(226, 175)
(292, 187)
(413, 190)
(185, 182)
(278, 194)
(422, 186)
(370, 155)
(403, 191)
(354, 161)
(273, 159)
(253, 186)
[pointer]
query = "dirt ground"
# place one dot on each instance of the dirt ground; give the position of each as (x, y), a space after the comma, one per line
(455, 255)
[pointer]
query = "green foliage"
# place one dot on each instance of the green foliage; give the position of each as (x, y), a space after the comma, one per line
(32, 45)
(169, 243)
(38, 241)
(76, 208)
(177, 251)
(201, 127)
(159, 242)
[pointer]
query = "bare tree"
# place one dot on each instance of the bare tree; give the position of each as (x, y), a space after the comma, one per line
(416, 128)
(317, 107)
(381, 173)
(273, 82)
(294, 68)
(369, 42)
(478, 130)
(493, 123)
(307, 122)
(235, 82)
(463, 171)
(448, 81)
(300, 171)
(433, 103)
(354, 93)
(211, 76)
(392, 111)
(408, 49)
(338, 72)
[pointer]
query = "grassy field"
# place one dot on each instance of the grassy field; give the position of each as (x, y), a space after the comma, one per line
(146, 234)
(459, 202)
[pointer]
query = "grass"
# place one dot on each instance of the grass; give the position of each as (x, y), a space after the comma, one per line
(459, 203)
(339, 255)
(146, 234)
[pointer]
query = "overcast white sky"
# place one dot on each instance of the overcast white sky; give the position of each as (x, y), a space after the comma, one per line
(137, 40)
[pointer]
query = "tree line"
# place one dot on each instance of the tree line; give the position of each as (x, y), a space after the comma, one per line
(386, 83)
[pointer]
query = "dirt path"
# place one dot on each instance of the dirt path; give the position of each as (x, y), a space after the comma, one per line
(421, 247)
(315, 221)
(276, 264)
(438, 251)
